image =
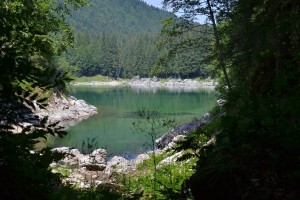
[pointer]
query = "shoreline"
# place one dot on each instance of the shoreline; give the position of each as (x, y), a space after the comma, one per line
(99, 168)
(137, 82)
(68, 111)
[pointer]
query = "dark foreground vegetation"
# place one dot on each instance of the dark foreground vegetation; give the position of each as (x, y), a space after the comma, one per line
(250, 150)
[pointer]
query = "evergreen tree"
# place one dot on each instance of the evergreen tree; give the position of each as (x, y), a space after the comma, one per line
(256, 132)
(32, 34)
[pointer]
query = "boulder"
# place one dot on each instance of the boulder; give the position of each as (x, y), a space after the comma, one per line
(184, 129)
(170, 160)
(164, 140)
(140, 158)
(221, 102)
(96, 161)
(67, 111)
(117, 164)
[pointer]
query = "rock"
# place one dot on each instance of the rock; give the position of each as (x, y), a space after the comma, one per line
(164, 140)
(140, 158)
(206, 118)
(117, 164)
(95, 167)
(75, 152)
(169, 160)
(135, 78)
(174, 141)
(184, 129)
(67, 111)
(96, 161)
(65, 150)
(154, 79)
(221, 102)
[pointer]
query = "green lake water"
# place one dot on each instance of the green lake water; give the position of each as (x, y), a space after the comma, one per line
(112, 126)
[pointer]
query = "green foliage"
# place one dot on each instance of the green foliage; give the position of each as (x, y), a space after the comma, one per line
(115, 38)
(215, 13)
(99, 78)
(89, 145)
(185, 45)
(25, 172)
(170, 179)
(121, 17)
(64, 170)
(255, 153)
(32, 33)
(150, 125)
(119, 39)
(103, 191)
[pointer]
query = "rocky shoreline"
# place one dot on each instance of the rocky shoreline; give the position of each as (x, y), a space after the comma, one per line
(85, 170)
(68, 111)
(96, 168)
(153, 83)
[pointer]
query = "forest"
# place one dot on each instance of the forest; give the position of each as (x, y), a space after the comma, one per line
(119, 39)
(249, 150)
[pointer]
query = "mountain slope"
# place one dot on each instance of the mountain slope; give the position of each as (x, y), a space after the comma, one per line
(119, 17)
(117, 38)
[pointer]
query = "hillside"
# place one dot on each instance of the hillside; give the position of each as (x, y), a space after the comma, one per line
(118, 38)
(121, 17)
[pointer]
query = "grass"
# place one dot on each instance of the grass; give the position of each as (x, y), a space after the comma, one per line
(101, 192)
(204, 80)
(169, 178)
(98, 78)
(64, 170)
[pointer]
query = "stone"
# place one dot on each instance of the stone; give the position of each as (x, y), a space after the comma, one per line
(170, 159)
(117, 164)
(165, 139)
(184, 129)
(154, 79)
(221, 102)
(65, 150)
(66, 111)
(140, 158)
(96, 161)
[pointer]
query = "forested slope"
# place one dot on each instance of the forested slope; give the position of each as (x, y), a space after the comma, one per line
(118, 38)
(122, 17)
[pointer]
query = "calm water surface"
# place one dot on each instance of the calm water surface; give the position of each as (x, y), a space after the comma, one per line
(112, 126)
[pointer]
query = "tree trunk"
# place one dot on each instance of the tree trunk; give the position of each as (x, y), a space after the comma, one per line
(218, 46)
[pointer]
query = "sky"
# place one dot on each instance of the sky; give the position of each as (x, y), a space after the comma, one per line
(156, 3)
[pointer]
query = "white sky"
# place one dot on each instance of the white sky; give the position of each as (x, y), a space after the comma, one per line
(156, 3)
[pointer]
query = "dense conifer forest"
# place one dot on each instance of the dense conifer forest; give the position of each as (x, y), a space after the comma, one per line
(120, 39)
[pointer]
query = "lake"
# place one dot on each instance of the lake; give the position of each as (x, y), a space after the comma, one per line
(117, 106)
